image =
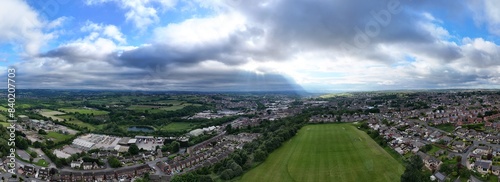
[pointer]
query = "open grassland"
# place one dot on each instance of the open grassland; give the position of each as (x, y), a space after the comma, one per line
(178, 126)
(328, 152)
(333, 95)
(3, 118)
(77, 122)
(4, 124)
(4, 109)
(52, 114)
(84, 111)
(57, 137)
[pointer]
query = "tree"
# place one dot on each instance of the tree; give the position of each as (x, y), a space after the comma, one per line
(114, 162)
(146, 177)
(133, 149)
(226, 174)
(260, 155)
(426, 148)
(37, 144)
(52, 171)
(21, 143)
(205, 178)
(229, 128)
(413, 171)
(175, 146)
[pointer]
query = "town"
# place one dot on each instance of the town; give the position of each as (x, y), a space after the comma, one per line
(454, 132)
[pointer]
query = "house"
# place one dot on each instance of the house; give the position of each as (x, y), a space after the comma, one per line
(143, 169)
(159, 178)
(446, 139)
(125, 172)
(100, 176)
(88, 165)
(482, 166)
(495, 170)
(88, 177)
(458, 146)
(440, 177)
(43, 173)
(439, 152)
(65, 176)
(429, 161)
(162, 166)
(482, 150)
(77, 176)
(30, 170)
(76, 164)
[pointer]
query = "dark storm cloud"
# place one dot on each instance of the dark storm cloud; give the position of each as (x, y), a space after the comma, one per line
(163, 54)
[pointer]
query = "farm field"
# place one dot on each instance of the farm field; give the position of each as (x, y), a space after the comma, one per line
(77, 122)
(178, 126)
(158, 108)
(84, 111)
(328, 152)
(52, 114)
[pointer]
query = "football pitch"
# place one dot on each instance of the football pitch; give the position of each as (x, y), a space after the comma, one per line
(328, 152)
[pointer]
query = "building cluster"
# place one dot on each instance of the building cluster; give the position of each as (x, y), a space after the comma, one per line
(472, 123)
(121, 174)
(206, 153)
(208, 114)
(108, 143)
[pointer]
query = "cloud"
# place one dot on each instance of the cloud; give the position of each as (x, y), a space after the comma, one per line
(21, 25)
(101, 42)
(142, 13)
(274, 44)
(488, 13)
(110, 31)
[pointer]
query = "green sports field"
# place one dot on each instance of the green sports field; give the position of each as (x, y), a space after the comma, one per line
(179, 126)
(328, 152)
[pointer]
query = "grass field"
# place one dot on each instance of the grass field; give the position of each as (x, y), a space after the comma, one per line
(41, 162)
(57, 137)
(84, 111)
(333, 95)
(446, 127)
(77, 122)
(4, 124)
(176, 105)
(3, 109)
(328, 152)
(178, 126)
(3, 118)
(51, 114)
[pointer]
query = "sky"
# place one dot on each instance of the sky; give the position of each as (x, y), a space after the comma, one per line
(258, 45)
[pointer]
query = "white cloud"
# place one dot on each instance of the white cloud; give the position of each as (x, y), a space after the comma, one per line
(198, 31)
(275, 37)
(142, 13)
(57, 22)
(110, 31)
(488, 13)
(21, 25)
